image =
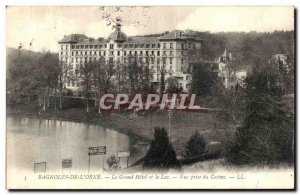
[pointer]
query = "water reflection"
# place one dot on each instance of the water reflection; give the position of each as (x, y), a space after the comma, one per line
(38, 140)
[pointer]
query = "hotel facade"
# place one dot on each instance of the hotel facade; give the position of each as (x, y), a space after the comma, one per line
(169, 51)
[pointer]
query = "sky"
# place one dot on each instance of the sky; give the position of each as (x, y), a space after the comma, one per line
(45, 26)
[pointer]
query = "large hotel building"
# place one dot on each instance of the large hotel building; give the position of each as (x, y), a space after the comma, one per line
(169, 51)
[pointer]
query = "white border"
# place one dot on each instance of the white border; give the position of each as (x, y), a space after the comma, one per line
(109, 2)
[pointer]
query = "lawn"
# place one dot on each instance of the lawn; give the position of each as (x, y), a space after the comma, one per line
(140, 126)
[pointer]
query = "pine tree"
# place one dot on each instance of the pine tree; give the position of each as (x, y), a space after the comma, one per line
(161, 154)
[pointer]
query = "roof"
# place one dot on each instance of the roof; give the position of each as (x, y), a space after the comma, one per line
(180, 35)
(176, 34)
(141, 39)
(72, 38)
(225, 53)
(88, 41)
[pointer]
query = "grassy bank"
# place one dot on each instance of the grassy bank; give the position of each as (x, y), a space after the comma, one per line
(140, 126)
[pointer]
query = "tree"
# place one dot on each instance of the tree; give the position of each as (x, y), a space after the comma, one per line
(173, 85)
(103, 74)
(203, 79)
(161, 154)
(195, 146)
(47, 77)
(266, 132)
(162, 71)
(139, 74)
(64, 76)
(86, 72)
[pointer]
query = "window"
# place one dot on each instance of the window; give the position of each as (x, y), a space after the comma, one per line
(120, 45)
(164, 53)
(147, 45)
(135, 52)
(158, 60)
(136, 45)
(171, 45)
(158, 45)
(118, 53)
(66, 47)
(171, 52)
(86, 46)
(158, 53)
(152, 52)
(164, 61)
(111, 46)
(165, 45)
(125, 45)
(130, 52)
(171, 60)
(104, 53)
(141, 52)
(111, 52)
(182, 61)
(62, 47)
(153, 45)
(96, 46)
(182, 53)
(142, 45)
(147, 52)
(182, 45)
(81, 46)
(91, 46)
(124, 53)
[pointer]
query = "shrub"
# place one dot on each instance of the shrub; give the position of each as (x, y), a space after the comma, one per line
(195, 146)
(113, 163)
(161, 154)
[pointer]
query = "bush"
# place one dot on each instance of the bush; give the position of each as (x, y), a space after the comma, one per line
(113, 163)
(195, 146)
(73, 102)
(161, 154)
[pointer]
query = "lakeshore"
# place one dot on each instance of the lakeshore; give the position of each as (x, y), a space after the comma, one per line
(138, 126)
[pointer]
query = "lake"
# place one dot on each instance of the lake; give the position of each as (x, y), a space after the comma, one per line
(32, 140)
